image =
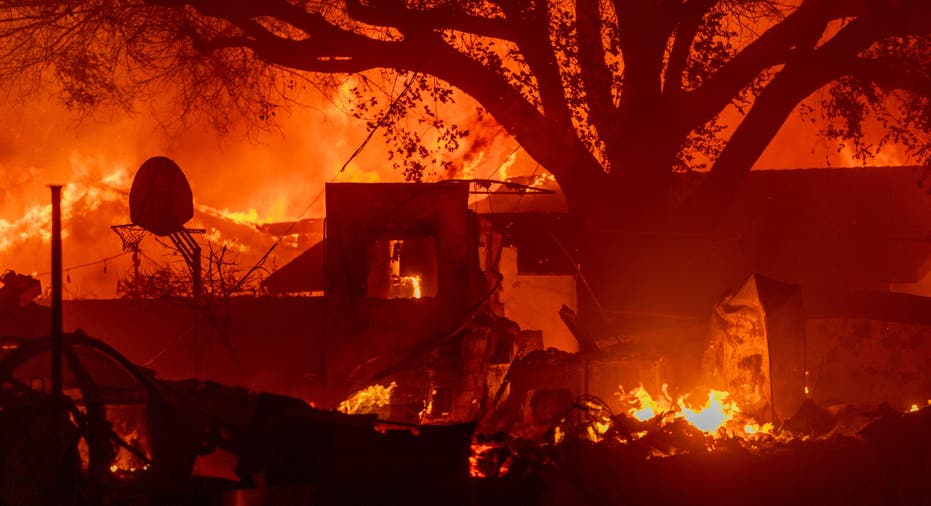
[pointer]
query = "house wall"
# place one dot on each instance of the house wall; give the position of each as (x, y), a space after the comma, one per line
(533, 301)
(861, 361)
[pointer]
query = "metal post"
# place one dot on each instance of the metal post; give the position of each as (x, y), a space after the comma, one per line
(63, 492)
(56, 295)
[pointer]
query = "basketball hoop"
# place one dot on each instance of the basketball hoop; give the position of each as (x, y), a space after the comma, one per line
(131, 235)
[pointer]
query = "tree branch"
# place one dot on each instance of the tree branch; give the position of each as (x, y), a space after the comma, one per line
(445, 17)
(544, 138)
(798, 79)
(771, 49)
(533, 40)
(891, 75)
(690, 19)
(597, 79)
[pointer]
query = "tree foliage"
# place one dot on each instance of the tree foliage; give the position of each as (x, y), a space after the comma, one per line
(611, 96)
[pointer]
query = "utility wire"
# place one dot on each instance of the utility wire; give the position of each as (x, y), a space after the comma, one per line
(88, 264)
(381, 121)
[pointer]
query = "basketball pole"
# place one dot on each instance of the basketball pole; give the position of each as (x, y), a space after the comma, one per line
(191, 252)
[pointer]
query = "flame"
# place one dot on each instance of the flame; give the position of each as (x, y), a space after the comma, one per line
(755, 428)
(717, 412)
(250, 217)
(407, 287)
(915, 407)
(367, 400)
(415, 285)
(643, 405)
(713, 414)
(79, 197)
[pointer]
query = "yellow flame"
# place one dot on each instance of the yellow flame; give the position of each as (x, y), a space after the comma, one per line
(755, 428)
(410, 285)
(715, 412)
(367, 400)
(644, 406)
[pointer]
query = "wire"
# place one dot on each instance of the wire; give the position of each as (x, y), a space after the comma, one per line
(521, 197)
(88, 264)
(381, 121)
(506, 158)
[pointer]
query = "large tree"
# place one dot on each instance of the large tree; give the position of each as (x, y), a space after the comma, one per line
(611, 97)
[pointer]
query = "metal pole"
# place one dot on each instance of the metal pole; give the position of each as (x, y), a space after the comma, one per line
(56, 295)
(62, 493)
(198, 288)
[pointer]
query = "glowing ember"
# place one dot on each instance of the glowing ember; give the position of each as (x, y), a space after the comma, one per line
(367, 400)
(478, 449)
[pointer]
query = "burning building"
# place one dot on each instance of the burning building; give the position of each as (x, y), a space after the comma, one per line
(418, 311)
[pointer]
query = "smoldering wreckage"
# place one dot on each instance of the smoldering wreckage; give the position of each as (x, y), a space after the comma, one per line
(449, 356)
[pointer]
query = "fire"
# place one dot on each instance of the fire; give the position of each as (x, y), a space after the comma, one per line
(713, 414)
(755, 428)
(717, 412)
(644, 406)
(367, 400)
(416, 292)
(81, 196)
(407, 287)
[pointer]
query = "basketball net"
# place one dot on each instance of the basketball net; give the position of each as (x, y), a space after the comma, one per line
(131, 235)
